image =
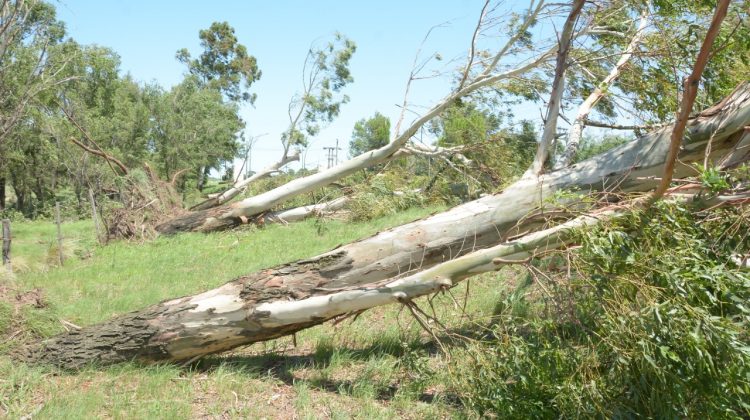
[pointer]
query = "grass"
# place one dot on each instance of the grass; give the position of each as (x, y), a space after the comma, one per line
(364, 369)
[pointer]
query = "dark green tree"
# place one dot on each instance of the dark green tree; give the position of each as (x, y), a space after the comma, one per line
(195, 129)
(370, 134)
(225, 64)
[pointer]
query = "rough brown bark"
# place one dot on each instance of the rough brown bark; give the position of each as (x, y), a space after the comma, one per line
(234, 315)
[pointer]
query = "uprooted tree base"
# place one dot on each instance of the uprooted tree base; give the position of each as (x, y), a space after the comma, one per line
(146, 201)
(290, 297)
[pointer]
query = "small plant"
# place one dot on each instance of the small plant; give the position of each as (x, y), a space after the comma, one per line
(713, 179)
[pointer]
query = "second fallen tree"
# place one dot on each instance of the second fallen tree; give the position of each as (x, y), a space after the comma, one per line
(247, 309)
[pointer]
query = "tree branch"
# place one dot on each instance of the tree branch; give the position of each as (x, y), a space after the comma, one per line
(576, 131)
(688, 98)
(558, 86)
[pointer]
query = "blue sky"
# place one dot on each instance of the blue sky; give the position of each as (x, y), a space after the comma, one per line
(146, 35)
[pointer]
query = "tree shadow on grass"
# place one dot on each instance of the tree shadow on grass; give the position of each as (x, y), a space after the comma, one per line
(282, 366)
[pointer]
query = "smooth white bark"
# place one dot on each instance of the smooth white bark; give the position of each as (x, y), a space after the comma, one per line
(576, 130)
(558, 87)
(241, 185)
(301, 213)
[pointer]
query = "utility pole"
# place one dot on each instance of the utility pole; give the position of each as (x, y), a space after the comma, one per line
(248, 159)
(329, 151)
(333, 154)
(249, 156)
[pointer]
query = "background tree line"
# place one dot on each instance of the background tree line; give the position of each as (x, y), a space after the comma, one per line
(61, 98)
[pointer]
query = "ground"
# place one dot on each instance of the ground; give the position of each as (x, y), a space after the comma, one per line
(370, 367)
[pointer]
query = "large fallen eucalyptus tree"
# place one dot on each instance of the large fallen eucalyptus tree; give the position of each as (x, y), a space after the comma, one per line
(228, 216)
(281, 300)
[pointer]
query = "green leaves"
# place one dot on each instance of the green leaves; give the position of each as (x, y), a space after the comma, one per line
(325, 74)
(195, 128)
(653, 321)
(370, 134)
(225, 64)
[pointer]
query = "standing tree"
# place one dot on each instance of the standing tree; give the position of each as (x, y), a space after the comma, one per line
(31, 63)
(370, 134)
(224, 64)
(195, 128)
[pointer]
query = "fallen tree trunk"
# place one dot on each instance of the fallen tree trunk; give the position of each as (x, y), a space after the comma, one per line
(300, 213)
(238, 186)
(226, 217)
(237, 313)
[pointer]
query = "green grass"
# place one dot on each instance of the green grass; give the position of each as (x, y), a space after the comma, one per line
(34, 244)
(126, 276)
(352, 370)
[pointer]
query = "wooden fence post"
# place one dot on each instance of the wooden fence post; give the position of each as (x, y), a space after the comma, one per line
(6, 242)
(59, 234)
(95, 216)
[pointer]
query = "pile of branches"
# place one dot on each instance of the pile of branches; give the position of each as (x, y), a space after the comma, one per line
(144, 201)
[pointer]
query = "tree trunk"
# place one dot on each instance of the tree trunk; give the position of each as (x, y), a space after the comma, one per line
(6, 241)
(19, 189)
(241, 184)
(246, 310)
(301, 213)
(201, 179)
(544, 151)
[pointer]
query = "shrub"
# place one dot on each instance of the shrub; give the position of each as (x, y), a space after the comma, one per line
(653, 322)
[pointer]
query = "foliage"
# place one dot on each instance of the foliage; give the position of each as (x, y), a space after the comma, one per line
(713, 179)
(370, 134)
(325, 74)
(224, 64)
(654, 322)
(499, 154)
(654, 77)
(29, 55)
(207, 141)
(464, 123)
(381, 197)
(592, 146)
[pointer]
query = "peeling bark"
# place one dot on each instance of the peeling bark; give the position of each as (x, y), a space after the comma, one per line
(249, 308)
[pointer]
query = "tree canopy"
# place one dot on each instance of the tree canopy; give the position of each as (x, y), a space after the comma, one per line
(370, 134)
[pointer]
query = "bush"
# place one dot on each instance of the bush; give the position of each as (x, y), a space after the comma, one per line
(382, 196)
(654, 322)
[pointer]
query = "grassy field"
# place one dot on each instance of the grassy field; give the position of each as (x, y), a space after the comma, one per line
(369, 368)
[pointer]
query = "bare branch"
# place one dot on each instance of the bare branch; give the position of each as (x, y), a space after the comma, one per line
(576, 131)
(530, 18)
(688, 97)
(558, 86)
(472, 49)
